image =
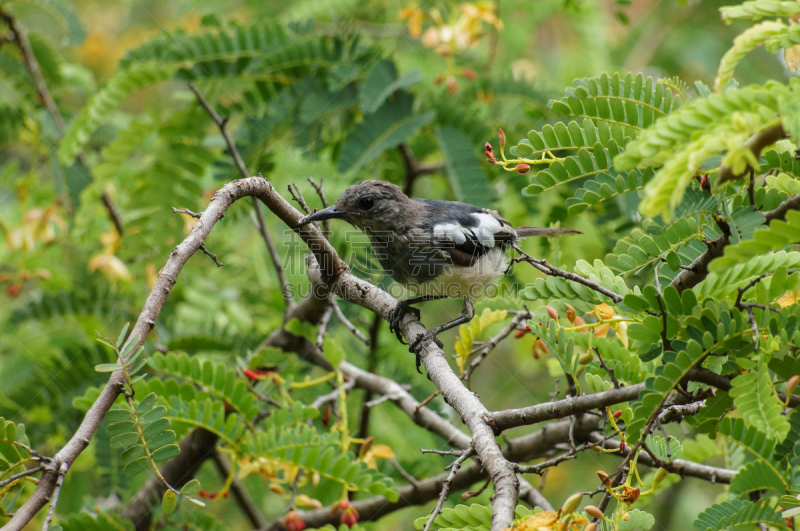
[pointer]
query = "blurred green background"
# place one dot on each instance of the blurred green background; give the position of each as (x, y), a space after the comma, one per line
(66, 272)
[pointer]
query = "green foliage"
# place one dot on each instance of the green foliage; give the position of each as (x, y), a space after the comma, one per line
(95, 522)
(14, 445)
(466, 175)
(143, 434)
(219, 381)
(778, 235)
(634, 103)
(756, 9)
(732, 514)
(756, 400)
(65, 15)
(392, 124)
(467, 518)
(582, 297)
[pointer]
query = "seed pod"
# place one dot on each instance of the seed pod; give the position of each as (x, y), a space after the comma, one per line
(593, 511)
(572, 503)
(791, 384)
(523, 168)
(570, 313)
(661, 474)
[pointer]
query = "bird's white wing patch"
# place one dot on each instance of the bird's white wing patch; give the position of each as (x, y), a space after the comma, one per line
(488, 226)
(449, 232)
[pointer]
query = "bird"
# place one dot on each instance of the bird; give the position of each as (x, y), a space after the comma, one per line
(436, 249)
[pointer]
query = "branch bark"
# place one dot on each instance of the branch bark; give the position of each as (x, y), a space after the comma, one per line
(697, 271)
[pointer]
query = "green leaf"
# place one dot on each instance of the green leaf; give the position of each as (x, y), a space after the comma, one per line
(166, 452)
(191, 488)
(122, 334)
(169, 501)
(333, 352)
(392, 124)
(756, 400)
(464, 169)
(108, 367)
(136, 467)
(381, 82)
(637, 520)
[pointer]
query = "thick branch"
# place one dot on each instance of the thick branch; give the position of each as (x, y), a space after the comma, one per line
(697, 271)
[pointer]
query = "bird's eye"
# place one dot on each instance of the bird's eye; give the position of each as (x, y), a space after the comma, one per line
(366, 203)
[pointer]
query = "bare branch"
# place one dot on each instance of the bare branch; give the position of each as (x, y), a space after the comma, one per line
(63, 468)
(347, 324)
(548, 269)
(211, 255)
(454, 467)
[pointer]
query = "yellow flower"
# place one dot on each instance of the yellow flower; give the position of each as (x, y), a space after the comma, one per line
(788, 300)
(377, 451)
(415, 17)
(110, 266)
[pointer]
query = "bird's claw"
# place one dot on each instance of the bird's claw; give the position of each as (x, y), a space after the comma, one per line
(422, 339)
(397, 314)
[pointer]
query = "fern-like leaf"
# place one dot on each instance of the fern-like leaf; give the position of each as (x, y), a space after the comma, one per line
(757, 9)
(732, 514)
(756, 400)
(393, 123)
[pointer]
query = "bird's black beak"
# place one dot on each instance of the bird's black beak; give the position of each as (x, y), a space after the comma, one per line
(326, 213)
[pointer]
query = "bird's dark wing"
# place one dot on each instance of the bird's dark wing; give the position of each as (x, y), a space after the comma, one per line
(464, 232)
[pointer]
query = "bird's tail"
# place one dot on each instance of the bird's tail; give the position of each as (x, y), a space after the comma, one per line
(524, 232)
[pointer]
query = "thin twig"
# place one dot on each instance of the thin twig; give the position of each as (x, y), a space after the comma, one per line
(294, 489)
(606, 368)
(347, 324)
(454, 467)
(261, 224)
(492, 343)
(333, 396)
(441, 452)
(411, 479)
(29, 472)
(297, 195)
(323, 325)
(257, 217)
(378, 401)
(551, 270)
(541, 467)
(414, 168)
(63, 468)
(326, 224)
(472, 493)
(211, 255)
(187, 212)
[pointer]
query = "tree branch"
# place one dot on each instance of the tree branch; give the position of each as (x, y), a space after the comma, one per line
(697, 271)
(551, 270)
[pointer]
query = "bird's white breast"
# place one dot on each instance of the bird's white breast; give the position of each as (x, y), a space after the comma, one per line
(466, 282)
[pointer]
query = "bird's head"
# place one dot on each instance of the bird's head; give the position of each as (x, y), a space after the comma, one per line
(371, 205)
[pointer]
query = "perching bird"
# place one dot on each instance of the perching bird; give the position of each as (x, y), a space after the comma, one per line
(436, 249)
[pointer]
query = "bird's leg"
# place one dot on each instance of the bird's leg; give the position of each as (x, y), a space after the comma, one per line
(403, 307)
(467, 313)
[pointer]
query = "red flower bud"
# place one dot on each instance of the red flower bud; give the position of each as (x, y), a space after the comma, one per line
(226, 494)
(523, 168)
(502, 137)
(488, 147)
(326, 416)
(293, 522)
(349, 517)
(469, 73)
(617, 414)
(252, 375)
(528, 328)
(203, 494)
(490, 156)
(604, 478)
(622, 446)
(519, 333)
